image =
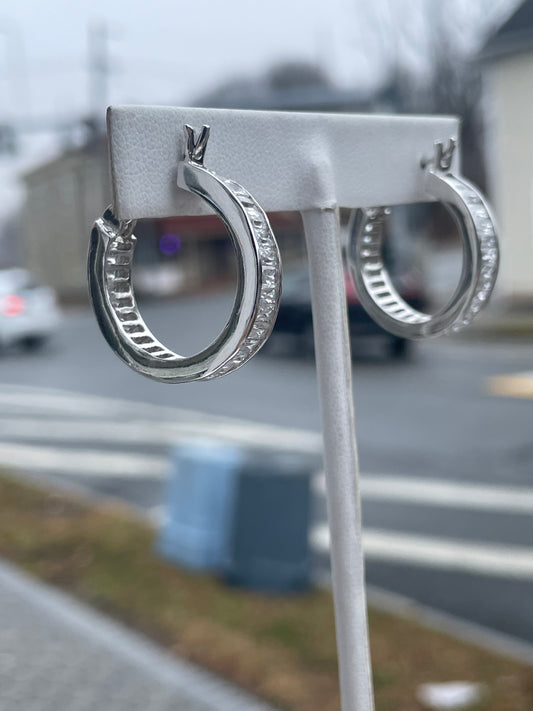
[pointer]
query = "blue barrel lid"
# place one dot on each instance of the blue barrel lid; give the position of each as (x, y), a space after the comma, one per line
(208, 450)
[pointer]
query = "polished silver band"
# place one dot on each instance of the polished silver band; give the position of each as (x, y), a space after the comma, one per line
(258, 281)
(480, 258)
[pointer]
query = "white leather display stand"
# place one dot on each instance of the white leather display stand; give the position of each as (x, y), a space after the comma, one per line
(313, 163)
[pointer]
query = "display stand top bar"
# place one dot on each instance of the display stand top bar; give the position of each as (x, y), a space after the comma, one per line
(287, 160)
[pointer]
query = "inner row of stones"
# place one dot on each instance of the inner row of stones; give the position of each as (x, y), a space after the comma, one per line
(118, 275)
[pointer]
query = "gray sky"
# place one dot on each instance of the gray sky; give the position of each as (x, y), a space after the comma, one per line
(169, 51)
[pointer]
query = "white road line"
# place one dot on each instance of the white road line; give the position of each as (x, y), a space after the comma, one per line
(72, 430)
(143, 432)
(172, 420)
(449, 494)
(442, 553)
(82, 462)
(409, 490)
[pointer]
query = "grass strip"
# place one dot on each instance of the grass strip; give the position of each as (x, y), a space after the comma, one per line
(279, 647)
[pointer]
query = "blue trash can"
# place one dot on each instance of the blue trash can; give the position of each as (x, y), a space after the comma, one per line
(200, 500)
(269, 546)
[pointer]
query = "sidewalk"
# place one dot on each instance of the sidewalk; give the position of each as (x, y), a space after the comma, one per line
(55, 653)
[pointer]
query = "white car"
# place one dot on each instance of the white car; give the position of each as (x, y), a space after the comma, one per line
(29, 314)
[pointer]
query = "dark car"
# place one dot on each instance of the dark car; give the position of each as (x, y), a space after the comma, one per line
(295, 324)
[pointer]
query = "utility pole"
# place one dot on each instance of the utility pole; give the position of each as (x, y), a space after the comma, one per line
(99, 69)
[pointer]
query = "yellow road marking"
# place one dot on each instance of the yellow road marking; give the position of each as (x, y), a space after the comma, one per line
(518, 385)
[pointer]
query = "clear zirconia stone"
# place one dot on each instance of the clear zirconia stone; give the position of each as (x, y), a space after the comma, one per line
(480, 214)
(236, 188)
(489, 255)
(487, 241)
(254, 213)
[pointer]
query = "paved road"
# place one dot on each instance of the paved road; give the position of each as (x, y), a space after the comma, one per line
(448, 475)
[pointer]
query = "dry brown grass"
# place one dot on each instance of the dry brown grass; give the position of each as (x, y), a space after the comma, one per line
(280, 647)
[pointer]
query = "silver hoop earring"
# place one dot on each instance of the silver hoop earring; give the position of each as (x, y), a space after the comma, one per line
(480, 257)
(258, 281)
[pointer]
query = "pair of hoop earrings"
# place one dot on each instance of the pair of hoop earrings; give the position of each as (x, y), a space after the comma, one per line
(259, 271)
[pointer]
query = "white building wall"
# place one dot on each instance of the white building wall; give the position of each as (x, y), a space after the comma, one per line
(63, 199)
(511, 164)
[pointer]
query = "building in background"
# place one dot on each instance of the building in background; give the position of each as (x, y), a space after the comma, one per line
(63, 197)
(508, 58)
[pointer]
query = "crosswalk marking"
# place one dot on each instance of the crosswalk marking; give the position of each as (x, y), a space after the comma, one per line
(77, 435)
(114, 422)
(140, 432)
(443, 553)
(168, 423)
(145, 432)
(445, 493)
(80, 462)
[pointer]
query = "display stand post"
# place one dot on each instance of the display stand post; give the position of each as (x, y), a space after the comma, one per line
(312, 163)
(333, 360)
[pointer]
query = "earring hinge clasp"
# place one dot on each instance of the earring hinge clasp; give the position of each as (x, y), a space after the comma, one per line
(443, 157)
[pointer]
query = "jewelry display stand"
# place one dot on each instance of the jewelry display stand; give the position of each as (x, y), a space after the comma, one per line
(312, 163)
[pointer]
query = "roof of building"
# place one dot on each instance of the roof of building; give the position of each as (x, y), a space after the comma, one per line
(514, 36)
(295, 86)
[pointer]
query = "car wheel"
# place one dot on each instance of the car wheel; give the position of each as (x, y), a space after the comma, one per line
(304, 342)
(32, 343)
(399, 348)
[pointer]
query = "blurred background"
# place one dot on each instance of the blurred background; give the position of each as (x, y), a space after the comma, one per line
(443, 428)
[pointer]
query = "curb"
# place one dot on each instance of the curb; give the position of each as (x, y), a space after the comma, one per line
(476, 635)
